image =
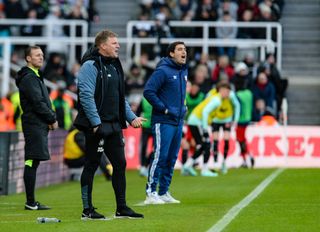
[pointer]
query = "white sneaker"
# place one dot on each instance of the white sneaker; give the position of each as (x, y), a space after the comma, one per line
(153, 199)
(208, 173)
(224, 168)
(144, 171)
(167, 198)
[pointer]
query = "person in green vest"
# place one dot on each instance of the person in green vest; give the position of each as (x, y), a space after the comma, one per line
(62, 108)
(145, 110)
(242, 82)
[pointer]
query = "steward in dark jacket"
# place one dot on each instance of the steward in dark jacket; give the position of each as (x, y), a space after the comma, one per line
(37, 113)
(37, 119)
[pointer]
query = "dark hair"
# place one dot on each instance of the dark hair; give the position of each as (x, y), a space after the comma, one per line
(27, 51)
(223, 84)
(103, 36)
(172, 47)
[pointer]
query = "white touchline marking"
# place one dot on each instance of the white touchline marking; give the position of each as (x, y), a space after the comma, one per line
(140, 204)
(235, 210)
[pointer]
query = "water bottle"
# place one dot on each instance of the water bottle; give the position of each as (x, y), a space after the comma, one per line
(47, 220)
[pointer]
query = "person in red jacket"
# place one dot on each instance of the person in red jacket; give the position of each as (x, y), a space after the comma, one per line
(223, 70)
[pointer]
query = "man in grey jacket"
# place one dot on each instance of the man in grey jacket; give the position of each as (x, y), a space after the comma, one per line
(102, 114)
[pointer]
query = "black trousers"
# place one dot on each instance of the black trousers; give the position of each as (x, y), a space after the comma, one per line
(113, 147)
(145, 136)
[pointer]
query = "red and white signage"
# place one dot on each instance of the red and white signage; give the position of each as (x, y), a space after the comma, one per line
(291, 146)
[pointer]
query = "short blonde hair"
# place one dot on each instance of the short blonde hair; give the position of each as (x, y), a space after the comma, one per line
(103, 36)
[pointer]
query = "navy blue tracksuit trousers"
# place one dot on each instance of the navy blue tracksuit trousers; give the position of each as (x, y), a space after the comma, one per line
(166, 140)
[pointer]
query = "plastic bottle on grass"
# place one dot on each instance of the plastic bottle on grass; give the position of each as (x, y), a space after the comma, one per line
(47, 220)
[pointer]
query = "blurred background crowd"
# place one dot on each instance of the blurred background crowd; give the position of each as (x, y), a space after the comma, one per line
(242, 70)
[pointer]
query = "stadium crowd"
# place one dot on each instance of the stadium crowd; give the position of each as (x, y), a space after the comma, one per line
(241, 69)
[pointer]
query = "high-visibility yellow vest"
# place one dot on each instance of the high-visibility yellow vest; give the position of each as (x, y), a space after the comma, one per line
(71, 148)
(225, 109)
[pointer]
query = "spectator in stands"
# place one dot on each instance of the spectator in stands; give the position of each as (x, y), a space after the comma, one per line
(14, 9)
(41, 7)
(242, 78)
(250, 60)
(146, 7)
(145, 64)
(249, 5)
(161, 30)
(226, 33)
(29, 29)
(37, 119)
(223, 70)
(274, 77)
(247, 32)
(206, 11)
(143, 29)
(54, 16)
(62, 107)
(264, 89)
(201, 77)
(78, 12)
(183, 9)
(93, 15)
(274, 7)
(71, 79)
(74, 155)
(135, 80)
(259, 108)
(229, 6)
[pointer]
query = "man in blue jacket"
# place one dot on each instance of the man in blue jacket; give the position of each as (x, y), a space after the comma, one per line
(102, 114)
(166, 92)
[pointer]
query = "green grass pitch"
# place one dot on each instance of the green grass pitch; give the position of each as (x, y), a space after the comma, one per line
(290, 203)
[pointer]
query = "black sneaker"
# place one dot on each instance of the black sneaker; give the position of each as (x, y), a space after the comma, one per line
(35, 206)
(91, 214)
(252, 161)
(126, 212)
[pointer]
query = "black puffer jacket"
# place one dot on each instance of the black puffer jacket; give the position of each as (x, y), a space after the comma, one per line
(34, 99)
(81, 121)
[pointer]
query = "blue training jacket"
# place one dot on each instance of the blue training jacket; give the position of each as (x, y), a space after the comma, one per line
(166, 89)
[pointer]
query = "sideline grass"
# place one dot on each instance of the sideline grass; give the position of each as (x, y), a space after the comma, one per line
(204, 202)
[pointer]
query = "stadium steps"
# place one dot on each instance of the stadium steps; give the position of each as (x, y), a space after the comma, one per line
(114, 15)
(301, 59)
(304, 104)
(301, 35)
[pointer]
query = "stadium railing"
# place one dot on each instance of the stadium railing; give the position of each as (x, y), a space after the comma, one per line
(265, 44)
(48, 26)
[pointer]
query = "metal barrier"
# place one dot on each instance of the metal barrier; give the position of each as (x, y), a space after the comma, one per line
(205, 42)
(48, 38)
(265, 44)
(12, 162)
